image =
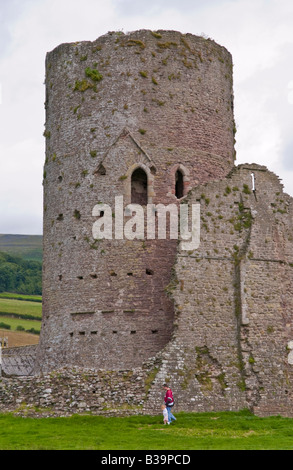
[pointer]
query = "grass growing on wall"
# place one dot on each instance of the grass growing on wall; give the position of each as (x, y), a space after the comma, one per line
(223, 431)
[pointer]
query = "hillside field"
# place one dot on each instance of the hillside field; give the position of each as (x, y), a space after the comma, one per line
(29, 247)
(20, 320)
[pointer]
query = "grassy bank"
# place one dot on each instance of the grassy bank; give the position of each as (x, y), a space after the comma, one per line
(191, 431)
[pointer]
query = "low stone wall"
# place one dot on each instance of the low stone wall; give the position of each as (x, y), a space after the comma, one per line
(68, 391)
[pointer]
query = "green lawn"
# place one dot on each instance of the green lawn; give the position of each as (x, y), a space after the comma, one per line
(191, 431)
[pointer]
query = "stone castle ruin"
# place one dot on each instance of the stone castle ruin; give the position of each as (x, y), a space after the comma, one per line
(149, 116)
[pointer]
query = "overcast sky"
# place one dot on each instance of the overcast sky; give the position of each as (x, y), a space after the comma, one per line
(258, 33)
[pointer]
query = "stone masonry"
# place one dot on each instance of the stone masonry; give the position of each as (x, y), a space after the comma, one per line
(149, 116)
(154, 102)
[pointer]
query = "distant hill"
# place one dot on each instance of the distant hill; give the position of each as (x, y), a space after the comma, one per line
(28, 247)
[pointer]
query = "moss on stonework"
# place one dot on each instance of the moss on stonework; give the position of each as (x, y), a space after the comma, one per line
(94, 74)
(135, 42)
(150, 379)
(83, 85)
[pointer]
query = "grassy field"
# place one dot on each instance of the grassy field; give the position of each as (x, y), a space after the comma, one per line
(21, 308)
(16, 314)
(27, 246)
(191, 431)
(10, 295)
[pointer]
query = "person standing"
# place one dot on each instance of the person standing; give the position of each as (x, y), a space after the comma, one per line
(165, 414)
(169, 401)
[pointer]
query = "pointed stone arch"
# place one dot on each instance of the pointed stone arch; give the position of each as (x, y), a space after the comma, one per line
(179, 181)
(135, 168)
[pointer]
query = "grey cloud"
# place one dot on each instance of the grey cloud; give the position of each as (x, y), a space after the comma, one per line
(9, 11)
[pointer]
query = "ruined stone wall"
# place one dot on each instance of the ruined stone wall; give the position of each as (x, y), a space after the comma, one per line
(125, 316)
(231, 346)
(158, 101)
(73, 390)
(234, 304)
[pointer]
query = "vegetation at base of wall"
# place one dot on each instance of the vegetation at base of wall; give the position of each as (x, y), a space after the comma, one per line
(192, 431)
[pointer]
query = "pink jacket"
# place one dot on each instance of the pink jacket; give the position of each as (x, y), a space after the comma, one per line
(169, 397)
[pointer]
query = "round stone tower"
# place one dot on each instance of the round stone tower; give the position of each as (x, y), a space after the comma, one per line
(142, 117)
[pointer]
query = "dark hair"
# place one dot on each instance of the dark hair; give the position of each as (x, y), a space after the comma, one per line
(165, 385)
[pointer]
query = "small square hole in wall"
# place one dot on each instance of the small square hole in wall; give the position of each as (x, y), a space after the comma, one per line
(133, 332)
(94, 332)
(154, 332)
(81, 333)
(129, 274)
(71, 334)
(60, 277)
(149, 272)
(114, 332)
(79, 277)
(93, 275)
(60, 217)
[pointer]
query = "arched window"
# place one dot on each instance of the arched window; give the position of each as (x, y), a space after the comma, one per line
(179, 188)
(139, 187)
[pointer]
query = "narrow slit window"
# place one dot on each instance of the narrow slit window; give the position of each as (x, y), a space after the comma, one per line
(179, 184)
(139, 187)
